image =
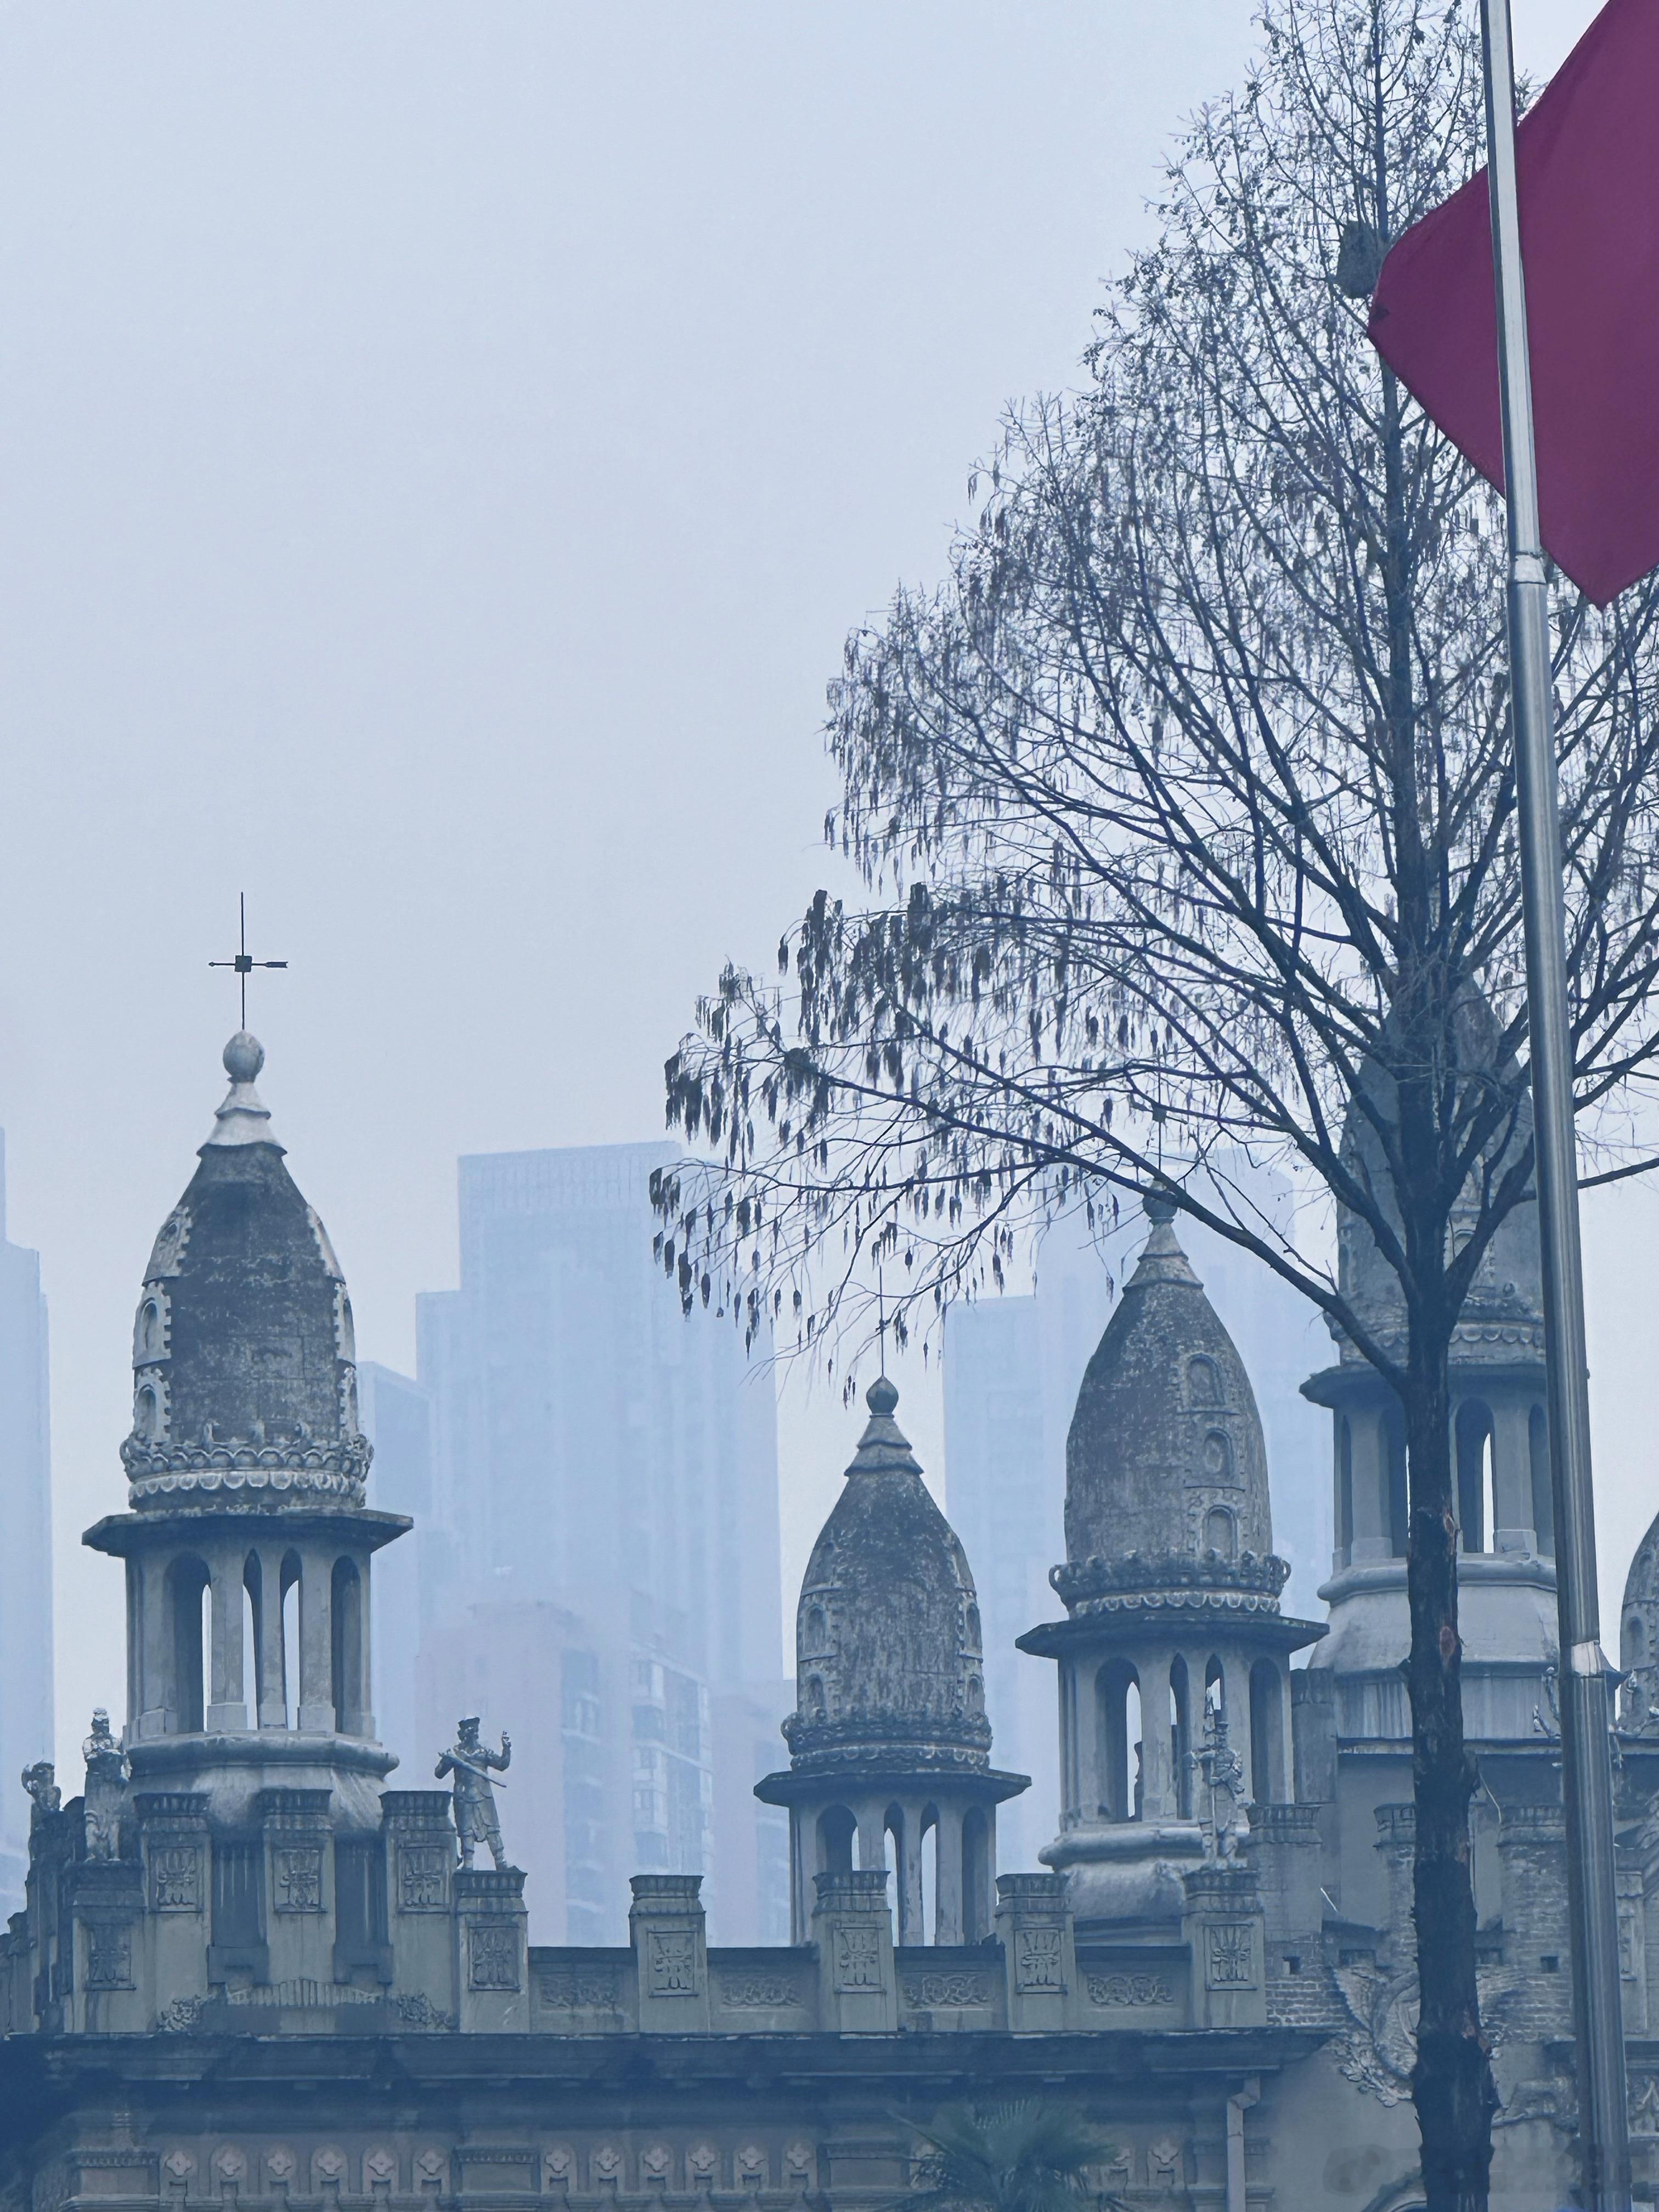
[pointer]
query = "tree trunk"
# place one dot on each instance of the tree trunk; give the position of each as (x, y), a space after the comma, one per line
(1452, 2083)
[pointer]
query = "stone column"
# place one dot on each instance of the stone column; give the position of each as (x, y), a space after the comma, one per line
(911, 1929)
(853, 1931)
(420, 1864)
(227, 1705)
(1085, 1736)
(174, 1839)
(949, 1906)
(492, 1949)
(1157, 1773)
(316, 1713)
(270, 1689)
(1039, 1952)
(665, 1924)
(1285, 1850)
(1512, 1474)
(1223, 1926)
(157, 1710)
(1373, 1537)
(300, 1903)
(1532, 1850)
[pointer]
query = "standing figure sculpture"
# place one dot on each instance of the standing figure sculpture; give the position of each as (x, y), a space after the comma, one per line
(1224, 1785)
(470, 1762)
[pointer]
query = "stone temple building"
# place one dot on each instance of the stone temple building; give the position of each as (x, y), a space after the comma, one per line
(255, 1973)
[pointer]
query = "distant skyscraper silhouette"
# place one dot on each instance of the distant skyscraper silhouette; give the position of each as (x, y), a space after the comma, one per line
(26, 1714)
(595, 1478)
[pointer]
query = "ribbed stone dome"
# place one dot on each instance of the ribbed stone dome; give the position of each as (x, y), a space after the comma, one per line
(1166, 1473)
(889, 1666)
(244, 1374)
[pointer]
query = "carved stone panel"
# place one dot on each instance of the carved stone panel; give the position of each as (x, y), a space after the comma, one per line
(1229, 1954)
(423, 1877)
(761, 1992)
(1130, 1988)
(1039, 1959)
(493, 1954)
(671, 1962)
(857, 1958)
(109, 1954)
(298, 1872)
(935, 1990)
(175, 1878)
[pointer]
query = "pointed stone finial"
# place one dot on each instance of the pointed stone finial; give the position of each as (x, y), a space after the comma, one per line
(883, 1446)
(1162, 1259)
(244, 1119)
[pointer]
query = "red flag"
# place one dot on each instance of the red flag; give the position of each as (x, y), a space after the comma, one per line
(1588, 168)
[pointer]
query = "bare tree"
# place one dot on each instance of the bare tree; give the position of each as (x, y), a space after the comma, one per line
(1187, 818)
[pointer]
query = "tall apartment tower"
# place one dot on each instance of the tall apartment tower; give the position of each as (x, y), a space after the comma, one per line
(1013, 1367)
(25, 1716)
(598, 1563)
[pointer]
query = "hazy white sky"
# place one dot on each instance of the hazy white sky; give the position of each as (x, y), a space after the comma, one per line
(442, 451)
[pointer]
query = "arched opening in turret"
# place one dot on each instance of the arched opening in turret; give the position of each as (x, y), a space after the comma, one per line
(816, 1629)
(1220, 1532)
(146, 1414)
(1344, 1488)
(1543, 1497)
(1203, 1381)
(976, 1875)
(289, 1604)
(1215, 1690)
(346, 1654)
(836, 1829)
(814, 1699)
(976, 1639)
(1117, 1714)
(1397, 1489)
(189, 1606)
(929, 1930)
(898, 1860)
(148, 1333)
(1267, 1734)
(975, 1697)
(1181, 1736)
(1473, 1436)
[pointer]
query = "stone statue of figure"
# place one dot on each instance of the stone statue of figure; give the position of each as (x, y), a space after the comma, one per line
(1223, 1784)
(105, 1794)
(469, 1761)
(39, 1780)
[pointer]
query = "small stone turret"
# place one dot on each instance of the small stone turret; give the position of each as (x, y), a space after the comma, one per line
(890, 1741)
(247, 1546)
(1171, 1592)
(1500, 1445)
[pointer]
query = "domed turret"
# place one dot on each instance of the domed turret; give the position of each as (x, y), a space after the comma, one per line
(1166, 1472)
(887, 1630)
(890, 1741)
(248, 1546)
(244, 1374)
(1171, 1593)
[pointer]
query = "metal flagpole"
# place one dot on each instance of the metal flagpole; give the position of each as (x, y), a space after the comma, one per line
(1586, 1748)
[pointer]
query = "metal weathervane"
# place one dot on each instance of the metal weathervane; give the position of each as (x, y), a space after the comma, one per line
(244, 964)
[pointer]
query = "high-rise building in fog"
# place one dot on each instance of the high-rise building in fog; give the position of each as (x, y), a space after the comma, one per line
(25, 1716)
(595, 1562)
(1013, 1370)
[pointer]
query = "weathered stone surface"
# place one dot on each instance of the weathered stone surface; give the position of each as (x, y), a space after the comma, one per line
(1165, 1459)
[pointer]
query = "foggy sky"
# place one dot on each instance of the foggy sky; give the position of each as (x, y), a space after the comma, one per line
(441, 452)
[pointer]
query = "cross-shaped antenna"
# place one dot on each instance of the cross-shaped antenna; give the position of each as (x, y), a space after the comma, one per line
(244, 964)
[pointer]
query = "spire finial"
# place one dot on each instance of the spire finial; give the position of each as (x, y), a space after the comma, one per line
(243, 964)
